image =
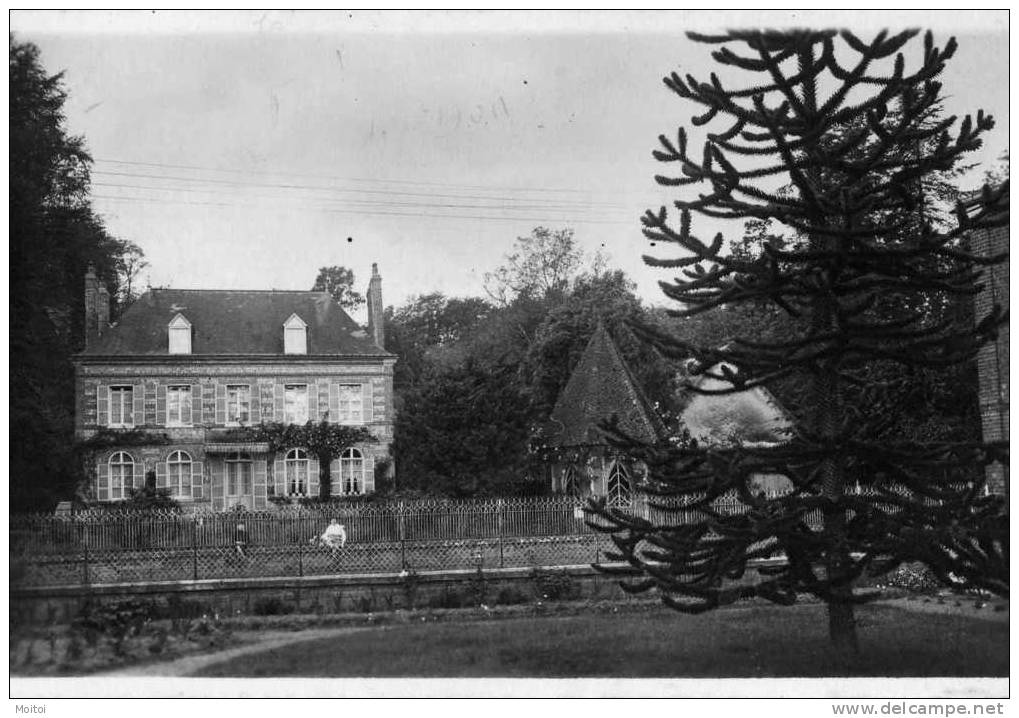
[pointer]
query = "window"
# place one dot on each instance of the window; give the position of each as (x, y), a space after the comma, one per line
(350, 404)
(178, 405)
(121, 406)
(296, 465)
(570, 485)
(618, 486)
(238, 404)
(238, 475)
(352, 472)
(180, 335)
(296, 403)
(121, 475)
(295, 336)
(178, 474)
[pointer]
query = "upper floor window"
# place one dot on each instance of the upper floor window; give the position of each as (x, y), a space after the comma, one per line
(121, 406)
(180, 335)
(295, 336)
(296, 465)
(295, 403)
(178, 474)
(178, 405)
(238, 404)
(350, 404)
(121, 475)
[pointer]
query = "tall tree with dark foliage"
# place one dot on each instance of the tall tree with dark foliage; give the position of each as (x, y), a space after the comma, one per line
(54, 236)
(842, 121)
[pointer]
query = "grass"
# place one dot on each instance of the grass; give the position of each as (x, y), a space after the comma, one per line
(750, 641)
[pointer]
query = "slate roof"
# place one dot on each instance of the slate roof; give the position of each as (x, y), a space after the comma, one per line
(240, 322)
(601, 386)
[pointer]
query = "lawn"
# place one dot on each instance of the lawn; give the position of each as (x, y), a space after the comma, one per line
(749, 641)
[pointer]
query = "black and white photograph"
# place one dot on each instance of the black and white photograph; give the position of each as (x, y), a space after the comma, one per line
(509, 354)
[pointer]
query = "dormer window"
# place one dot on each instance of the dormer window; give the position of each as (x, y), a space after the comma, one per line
(295, 336)
(180, 335)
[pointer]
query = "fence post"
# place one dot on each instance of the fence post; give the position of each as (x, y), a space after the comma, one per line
(501, 508)
(194, 548)
(403, 536)
(85, 564)
(300, 558)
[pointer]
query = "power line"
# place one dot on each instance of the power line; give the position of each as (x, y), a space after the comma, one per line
(263, 185)
(370, 212)
(450, 185)
(358, 202)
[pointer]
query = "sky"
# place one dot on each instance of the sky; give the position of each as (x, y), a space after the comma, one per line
(248, 149)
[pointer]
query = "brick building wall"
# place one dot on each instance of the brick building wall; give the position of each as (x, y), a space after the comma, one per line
(149, 382)
(992, 361)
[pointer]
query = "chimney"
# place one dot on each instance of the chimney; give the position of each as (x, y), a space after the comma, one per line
(103, 310)
(91, 306)
(375, 327)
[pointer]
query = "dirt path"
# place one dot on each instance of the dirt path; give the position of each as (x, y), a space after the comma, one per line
(967, 608)
(255, 642)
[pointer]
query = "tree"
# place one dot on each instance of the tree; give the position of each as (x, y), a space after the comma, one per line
(859, 281)
(463, 431)
(339, 282)
(540, 265)
(564, 333)
(54, 236)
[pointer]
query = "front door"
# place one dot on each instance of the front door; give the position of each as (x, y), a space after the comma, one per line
(238, 490)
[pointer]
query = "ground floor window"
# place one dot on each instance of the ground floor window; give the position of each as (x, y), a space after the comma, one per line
(178, 473)
(618, 488)
(296, 468)
(121, 475)
(352, 471)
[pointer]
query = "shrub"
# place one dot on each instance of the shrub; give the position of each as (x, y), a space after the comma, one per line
(914, 577)
(511, 596)
(555, 585)
(272, 606)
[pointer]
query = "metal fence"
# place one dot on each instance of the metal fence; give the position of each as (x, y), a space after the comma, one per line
(112, 546)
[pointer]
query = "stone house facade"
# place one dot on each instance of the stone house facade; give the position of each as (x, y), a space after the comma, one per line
(992, 360)
(183, 370)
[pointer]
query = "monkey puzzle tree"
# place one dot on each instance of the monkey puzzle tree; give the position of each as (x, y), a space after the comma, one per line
(859, 280)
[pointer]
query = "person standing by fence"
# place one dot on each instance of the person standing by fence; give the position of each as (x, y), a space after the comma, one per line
(241, 538)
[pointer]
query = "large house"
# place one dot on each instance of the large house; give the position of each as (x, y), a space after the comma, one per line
(183, 372)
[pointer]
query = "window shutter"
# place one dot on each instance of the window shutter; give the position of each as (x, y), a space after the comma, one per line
(259, 471)
(334, 403)
(366, 398)
(220, 404)
(313, 469)
(151, 416)
(138, 405)
(103, 481)
(161, 405)
(255, 406)
(161, 474)
(280, 403)
(216, 486)
(312, 402)
(279, 477)
(102, 405)
(197, 479)
(335, 488)
(138, 480)
(369, 473)
(196, 404)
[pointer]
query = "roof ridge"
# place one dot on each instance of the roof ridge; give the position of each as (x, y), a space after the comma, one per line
(261, 291)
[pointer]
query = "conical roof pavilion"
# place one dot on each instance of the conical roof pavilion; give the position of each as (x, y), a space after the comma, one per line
(600, 387)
